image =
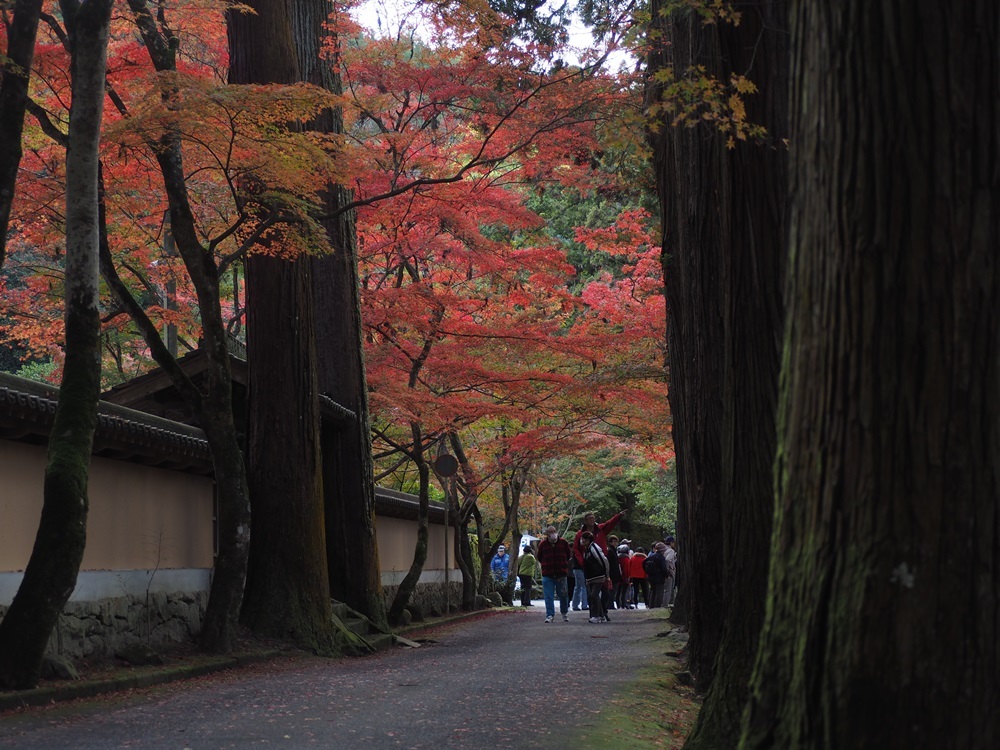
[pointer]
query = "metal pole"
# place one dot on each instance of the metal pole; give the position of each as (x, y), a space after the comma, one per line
(447, 547)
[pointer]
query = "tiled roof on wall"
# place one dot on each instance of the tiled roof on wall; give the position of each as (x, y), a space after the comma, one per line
(395, 504)
(27, 410)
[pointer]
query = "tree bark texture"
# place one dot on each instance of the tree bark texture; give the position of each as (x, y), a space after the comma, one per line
(348, 469)
(462, 512)
(883, 621)
(288, 591)
(690, 181)
(21, 34)
(746, 204)
(409, 583)
(50, 576)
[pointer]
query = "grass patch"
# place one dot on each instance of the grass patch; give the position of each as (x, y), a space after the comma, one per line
(655, 711)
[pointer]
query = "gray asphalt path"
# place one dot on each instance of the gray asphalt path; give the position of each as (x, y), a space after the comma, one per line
(502, 680)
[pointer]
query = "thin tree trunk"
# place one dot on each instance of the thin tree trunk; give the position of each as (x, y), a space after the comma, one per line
(213, 407)
(462, 513)
(50, 576)
(21, 34)
(409, 583)
(882, 627)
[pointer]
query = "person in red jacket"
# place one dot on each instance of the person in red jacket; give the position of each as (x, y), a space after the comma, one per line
(553, 557)
(600, 533)
(638, 576)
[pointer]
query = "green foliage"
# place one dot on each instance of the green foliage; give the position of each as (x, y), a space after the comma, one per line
(40, 371)
(592, 483)
(655, 489)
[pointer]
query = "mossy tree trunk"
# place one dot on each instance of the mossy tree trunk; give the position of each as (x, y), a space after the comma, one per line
(739, 228)
(50, 576)
(348, 467)
(689, 172)
(22, 30)
(348, 475)
(882, 625)
(463, 513)
(288, 592)
(409, 583)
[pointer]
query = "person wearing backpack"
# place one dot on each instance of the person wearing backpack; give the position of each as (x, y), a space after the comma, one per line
(596, 570)
(638, 576)
(657, 573)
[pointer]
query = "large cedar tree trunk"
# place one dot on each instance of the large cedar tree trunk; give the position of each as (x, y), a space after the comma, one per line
(50, 576)
(288, 592)
(692, 189)
(348, 470)
(882, 628)
(16, 68)
(747, 204)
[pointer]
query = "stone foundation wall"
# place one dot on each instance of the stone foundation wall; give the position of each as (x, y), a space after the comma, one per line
(430, 597)
(98, 629)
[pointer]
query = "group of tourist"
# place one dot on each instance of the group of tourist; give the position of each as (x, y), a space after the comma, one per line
(597, 572)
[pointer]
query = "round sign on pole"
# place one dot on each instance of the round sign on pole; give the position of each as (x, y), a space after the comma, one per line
(445, 465)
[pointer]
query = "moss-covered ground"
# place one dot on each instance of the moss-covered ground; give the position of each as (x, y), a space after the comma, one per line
(656, 711)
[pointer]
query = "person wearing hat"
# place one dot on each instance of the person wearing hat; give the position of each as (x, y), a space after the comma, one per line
(500, 565)
(657, 574)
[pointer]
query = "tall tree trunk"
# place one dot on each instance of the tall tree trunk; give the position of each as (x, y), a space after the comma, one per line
(288, 591)
(882, 627)
(409, 583)
(348, 468)
(462, 513)
(50, 576)
(748, 201)
(21, 34)
(689, 165)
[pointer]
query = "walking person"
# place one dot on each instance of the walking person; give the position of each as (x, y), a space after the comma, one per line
(527, 569)
(500, 566)
(553, 556)
(623, 597)
(599, 533)
(638, 576)
(657, 573)
(579, 584)
(611, 592)
(595, 567)
(671, 555)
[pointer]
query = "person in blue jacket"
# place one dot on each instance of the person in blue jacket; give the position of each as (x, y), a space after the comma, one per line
(500, 565)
